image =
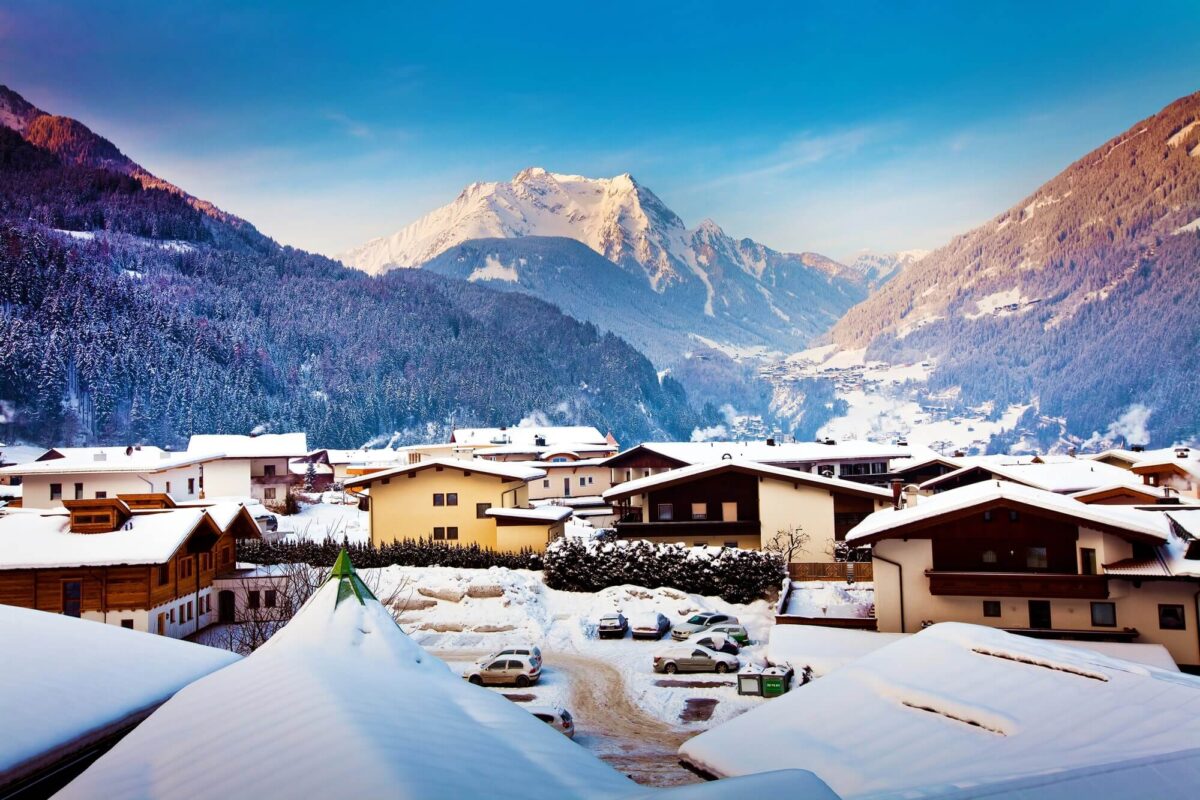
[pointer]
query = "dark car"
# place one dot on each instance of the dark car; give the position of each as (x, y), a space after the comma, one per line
(612, 626)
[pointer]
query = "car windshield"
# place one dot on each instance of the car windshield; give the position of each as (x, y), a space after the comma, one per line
(699, 619)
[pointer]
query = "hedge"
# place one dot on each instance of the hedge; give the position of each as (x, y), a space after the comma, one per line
(406, 553)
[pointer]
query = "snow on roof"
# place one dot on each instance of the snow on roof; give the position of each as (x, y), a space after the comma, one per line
(551, 436)
(19, 453)
(778, 453)
(77, 677)
(1147, 492)
(1065, 475)
(342, 701)
(579, 462)
(37, 541)
(1188, 520)
(540, 514)
(268, 445)
(956, 706)
(1187, 465)
(81, 460)
(696, 470)
(878, 524)
(502, 469)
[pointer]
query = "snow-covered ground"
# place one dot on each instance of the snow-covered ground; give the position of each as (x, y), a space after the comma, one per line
(831, 599)
(331, 518)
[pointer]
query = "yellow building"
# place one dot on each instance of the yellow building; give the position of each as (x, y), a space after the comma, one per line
(458, 501)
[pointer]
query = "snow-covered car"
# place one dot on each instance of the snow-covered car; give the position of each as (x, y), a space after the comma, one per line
(508, 669)
(700, 622)
(651, 625)
(556, 717)
(715, 641)
(612, 626)
(530, 651)
(694, 658)
(733, 630)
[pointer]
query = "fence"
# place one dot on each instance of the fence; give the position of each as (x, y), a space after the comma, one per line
(837, 571)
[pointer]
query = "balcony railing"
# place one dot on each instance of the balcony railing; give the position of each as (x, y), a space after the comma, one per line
(1017, 584)
(689, 527)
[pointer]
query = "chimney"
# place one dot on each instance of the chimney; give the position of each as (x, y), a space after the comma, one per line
(1182, 452)
(897, 488)
(1071, 451)
(1138, 448)
(959, 454)
(129, 450)
(910, 495)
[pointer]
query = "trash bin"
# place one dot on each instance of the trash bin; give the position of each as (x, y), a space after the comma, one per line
(776, 681)
(750, 683)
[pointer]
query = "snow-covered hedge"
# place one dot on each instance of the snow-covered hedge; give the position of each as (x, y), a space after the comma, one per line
(406, 553)
(738, 576)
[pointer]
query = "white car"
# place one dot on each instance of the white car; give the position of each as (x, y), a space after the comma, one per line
(694, 658)
(530, 651)
(700, 622)
(556, 717)
(651, 625)
(714, 641)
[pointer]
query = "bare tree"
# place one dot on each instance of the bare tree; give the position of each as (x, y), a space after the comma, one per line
(788, 542)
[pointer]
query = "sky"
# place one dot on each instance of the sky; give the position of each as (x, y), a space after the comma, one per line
(830, 127)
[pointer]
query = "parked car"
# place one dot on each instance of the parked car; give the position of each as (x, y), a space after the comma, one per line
(613, 626)
(715, 641)
(530, 651)
(694, 658)
(556, 717)
(700, 622)
(517, 670)
(733, 630)
(650, 626)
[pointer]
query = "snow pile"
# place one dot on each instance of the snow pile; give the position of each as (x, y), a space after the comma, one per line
(959, 706)
(831, 599)
(75, 677)
(821, 649)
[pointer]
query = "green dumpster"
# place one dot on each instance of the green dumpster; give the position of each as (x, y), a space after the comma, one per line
(776, 681)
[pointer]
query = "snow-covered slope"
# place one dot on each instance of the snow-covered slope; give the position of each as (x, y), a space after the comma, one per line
(879, 268)
(735, 291)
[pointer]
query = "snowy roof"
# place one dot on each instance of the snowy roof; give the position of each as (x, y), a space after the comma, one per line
(82, 460)
(958, 706)
(76, 678)
(268, 445)
(1187, 520)
(19, 453)
(640, 485)
(1140, 523)
(1151, 466)
(342, 701)
(551, 435)
(540, 514)
(579, 462)
(1169, 560)
(1138, 456)
(778, 453)
(37, 541)
(502, 469)
(1147, 492)
(1059, 475)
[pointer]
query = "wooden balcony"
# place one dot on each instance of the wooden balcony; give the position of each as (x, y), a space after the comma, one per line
(689, 527)
(1017, 584)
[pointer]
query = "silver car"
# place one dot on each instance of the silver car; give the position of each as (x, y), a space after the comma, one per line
(700, 622)
(694, 658)
(556, 717)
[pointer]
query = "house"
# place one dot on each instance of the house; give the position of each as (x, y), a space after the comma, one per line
(1010, 556)
(251, 466)
(137, 561)
(569, 476)
(462, 502)
(350, 464)
(78, 473)
(341, 700)
(965, 711)
(737, 503)
(1178, 473)
(545, 443)
(1061, 474)
(75, 687)
(862, 462)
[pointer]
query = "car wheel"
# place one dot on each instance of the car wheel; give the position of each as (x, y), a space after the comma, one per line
(522, 681)
(670, 669)
(475, 679)
(722, 667)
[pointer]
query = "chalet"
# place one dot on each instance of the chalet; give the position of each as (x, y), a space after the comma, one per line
(138, 561)
(535, 443)
(1060, 474)
(744, 504)
(458, 501)
(252, 466)
(1002, 554)
(1178, 473)
(861, 462)
(568, 475)
(95, 473)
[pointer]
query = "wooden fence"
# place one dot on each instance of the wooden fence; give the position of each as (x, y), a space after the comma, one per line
(838, 571)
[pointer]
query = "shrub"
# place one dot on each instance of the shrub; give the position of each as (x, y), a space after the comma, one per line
(407, 553)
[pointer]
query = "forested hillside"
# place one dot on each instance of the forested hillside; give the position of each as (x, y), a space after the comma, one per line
(159, 318)
(1085, 296)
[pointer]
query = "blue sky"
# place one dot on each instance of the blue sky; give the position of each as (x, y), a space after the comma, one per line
(806, 126)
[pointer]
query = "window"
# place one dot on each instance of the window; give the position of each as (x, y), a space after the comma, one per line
(252, 599)
(164, 574)
(127, 623)
(101, 495)
(546, 484)
(989, 556)
(481, 510)
(1104, 615)
(191, 485)
(439, 533)
(452, 533)
(185, 568)
(666, 512)
(1170, 618)
(72, 598)
(226, 554)
(269, 470)
(172, 616)
(991, 608)
(452, 498)
(699, 510)
(1087, 561)
(56, 491)
(79, 491)
(439, 499)
(1013, 516)
(168, 487)
(208, 603)
(189, 610)
(987, 516)
(582, 481)
(270, 598)
(1035, 558)
(269, 493)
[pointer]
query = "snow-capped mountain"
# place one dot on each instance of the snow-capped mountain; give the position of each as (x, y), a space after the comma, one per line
(737, 292)
(879, 268)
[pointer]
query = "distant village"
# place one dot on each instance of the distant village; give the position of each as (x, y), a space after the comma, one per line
(964, 596)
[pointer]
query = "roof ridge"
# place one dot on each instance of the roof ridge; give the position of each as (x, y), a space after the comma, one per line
(348, 581)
